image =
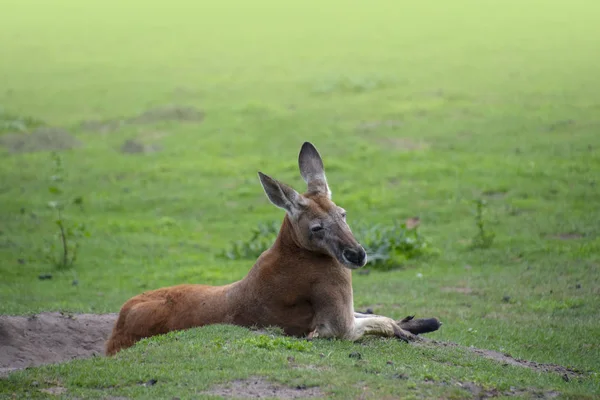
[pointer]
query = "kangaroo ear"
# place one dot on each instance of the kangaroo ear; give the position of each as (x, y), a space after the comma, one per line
(312, 170)
(282, 195)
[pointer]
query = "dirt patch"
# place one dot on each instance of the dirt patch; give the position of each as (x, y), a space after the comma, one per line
(507, 359)
(479, 392)
(27, 341)
(40, 139)
(567, 236)
(260, 388)
(54, 391)
(494, 194)
(152, 116)
(145, 142)
(134, 146)
(413, 222)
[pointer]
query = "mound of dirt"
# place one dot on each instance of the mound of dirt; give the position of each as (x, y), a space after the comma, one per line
(151, 116)
(133, 146)
(101, 126)
(27, 341)
(40, 139)
(259, 388)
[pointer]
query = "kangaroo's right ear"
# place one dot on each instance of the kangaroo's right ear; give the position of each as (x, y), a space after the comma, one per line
(312, 170)
(282, 195)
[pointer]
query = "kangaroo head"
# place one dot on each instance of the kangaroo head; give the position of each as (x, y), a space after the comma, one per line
(318, 224)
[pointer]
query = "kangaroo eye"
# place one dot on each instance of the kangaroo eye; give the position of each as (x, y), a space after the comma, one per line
(316, 228)
(344, 214)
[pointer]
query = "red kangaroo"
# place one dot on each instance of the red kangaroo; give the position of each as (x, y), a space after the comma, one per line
(302, 284)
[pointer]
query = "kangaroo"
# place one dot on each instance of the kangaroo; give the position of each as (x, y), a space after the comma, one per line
(302, 284)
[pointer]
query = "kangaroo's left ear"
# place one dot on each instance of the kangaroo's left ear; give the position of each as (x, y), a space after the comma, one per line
(282, 195)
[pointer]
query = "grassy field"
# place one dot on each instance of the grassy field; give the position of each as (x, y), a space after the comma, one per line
(418, 109)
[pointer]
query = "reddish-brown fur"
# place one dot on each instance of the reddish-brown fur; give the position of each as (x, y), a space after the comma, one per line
(298, 284)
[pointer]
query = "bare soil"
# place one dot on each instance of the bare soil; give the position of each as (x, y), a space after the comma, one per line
(168, 113)
(54, 391)
(28, 341)
(133, 146)
(507, 359)
(151, 116)
(40, 139)
(260, 388)
(494, 194)
(479, 392)
(567, 236)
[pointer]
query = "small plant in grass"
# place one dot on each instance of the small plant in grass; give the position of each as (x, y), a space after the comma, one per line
(387, 246)
(278, 342)
(17, 123)
(63, 250)
(484, 238)
(390, 246)
(261, 239)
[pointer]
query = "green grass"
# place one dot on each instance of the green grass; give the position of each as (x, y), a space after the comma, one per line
(418, 110)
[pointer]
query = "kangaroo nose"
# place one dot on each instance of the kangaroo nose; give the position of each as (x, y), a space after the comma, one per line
(356, 257)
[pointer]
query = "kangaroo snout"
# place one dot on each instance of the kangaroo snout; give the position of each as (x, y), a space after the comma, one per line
(357, 256)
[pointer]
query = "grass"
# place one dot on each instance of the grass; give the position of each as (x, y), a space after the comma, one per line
(417, 109)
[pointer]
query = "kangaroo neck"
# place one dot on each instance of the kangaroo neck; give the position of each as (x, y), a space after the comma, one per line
(287, 239)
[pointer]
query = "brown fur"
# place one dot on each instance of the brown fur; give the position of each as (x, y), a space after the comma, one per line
(302, 284)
